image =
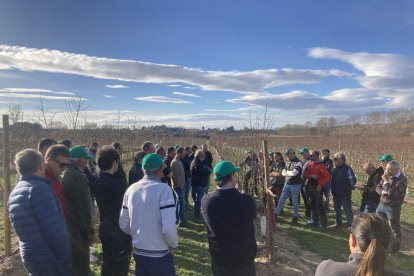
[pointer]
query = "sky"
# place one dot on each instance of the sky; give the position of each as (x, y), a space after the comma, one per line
(207, 63)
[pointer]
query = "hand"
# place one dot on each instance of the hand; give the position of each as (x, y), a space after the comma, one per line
(384, 193)
(385, 177)
(172, 250)
(314, 176)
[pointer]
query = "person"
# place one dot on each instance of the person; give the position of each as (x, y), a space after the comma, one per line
(167, 170)
(326, 154)
(37, 218)
(148, 147)
(200, 173)
(57, 160)
(78, 198)
(277, 180)
(44, 144)
(305, 154)
(252, 163)
(194, 148)
(187, 163)
(136, 173)
(292, 173)
(66, 142)
(317, 176)
(370, 198)
(93, 149)
(343, 182)
(230, 216)
(161, 151)
(384, 159)
(121, 172)
(208, 160)
(178, 183)
(392, 189)
(369, 238)
(109, 192)
(148, 216)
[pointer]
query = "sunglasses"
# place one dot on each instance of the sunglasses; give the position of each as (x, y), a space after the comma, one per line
(336, 159)
(61, 165)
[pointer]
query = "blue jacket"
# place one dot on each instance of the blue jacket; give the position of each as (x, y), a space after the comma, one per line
(37, 217)
(343, 180)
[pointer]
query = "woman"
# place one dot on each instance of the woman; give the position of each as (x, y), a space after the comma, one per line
(200, 172)
(277, 181)
(136, 173)
(369, 238)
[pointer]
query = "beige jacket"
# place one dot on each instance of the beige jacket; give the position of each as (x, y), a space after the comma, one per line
(177, 168)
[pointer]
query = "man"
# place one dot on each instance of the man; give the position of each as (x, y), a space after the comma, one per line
(121, 172)
(343, 182)
(148, 216)
(370, 198)
(78, 199)
(66, 142)
(161, 151)
(392, 189)
(293, 182)
(178, 182)
(136, 173)
(44, 144)
(230, 219)
(37, 218)
(252, 163)
(316, 178)
(208, 160)
(385, 159)
(57, 159)
(187, 164)
(148, 147)
(326, 153)
(305, 154)
(109, 192)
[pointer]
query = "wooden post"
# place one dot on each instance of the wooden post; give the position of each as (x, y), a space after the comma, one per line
(6, 176)
(270, 208)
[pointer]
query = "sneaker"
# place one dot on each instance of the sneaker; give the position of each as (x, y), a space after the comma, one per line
(294, 220)
(312, 223)
(335, 226)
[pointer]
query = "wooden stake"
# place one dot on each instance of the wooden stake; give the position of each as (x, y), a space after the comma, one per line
(6, 176)
(269, 200)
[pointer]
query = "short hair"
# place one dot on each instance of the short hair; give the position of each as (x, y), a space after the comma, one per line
(180, 150)
(116, 145)
(153, 172)
(46, 142)
(106, 156)
(57, 150)
(194, 147)
(146, 146)
(170, 149)
(198, 152)
(187, 148)
(394, 164)
(27, 161)
(94, 144)
(340, 155)
(139, 155)
(159, 150)
(66, 142)
(326, 151)
(224, 180)
(315, 152)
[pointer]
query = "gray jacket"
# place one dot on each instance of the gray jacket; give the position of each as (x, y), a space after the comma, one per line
(177, 168)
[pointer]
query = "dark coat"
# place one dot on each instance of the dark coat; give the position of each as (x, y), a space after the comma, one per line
(199, 173)
(135, 173)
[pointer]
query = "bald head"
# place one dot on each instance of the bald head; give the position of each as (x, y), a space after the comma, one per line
(369, 168)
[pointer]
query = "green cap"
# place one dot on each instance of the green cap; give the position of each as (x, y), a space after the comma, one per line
(224, 168)
(303, 150)
(80, 152)
(386, 157)
(152, 161)
(271, 153)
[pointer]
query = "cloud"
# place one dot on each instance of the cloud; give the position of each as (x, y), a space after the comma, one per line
(34, 93)
(32, 59)
(116, 86)
(34, 90)
(108, 97)
(186, 94)
(162, 99)
(35, 96)
(174, 85)
(220, 110)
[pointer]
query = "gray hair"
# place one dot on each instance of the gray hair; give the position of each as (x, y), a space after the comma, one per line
(198, 153)
(340, 155)
(27, 161)
(394, 164)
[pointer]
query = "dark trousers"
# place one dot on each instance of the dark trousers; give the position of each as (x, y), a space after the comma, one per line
(198, 193)
(47, 268)
(152, 266)
(79, 245)
(234, 271)
(393, 216)
(316, 205)
(115, 261)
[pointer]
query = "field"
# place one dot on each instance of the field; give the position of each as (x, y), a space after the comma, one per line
(299, 248)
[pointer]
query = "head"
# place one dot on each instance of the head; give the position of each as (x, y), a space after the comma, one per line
(171, 152)
(194, 148)
(385, 159)
(148, 147)
(304, 153)
(44, 144)
(57, 158)
(339, 159)
(153, 165)
(369, 168)
(108, 159)
(392, 168)
(314, 155)
(199, 154)
(67, 142)
(118, 147)
(290, 153)
(204, 147)
(371, 235)
(180, 153)
(161, 151)
(30, 162)
(138, 156)
(80, 156)
(188, 151)
(94, 147)
(326, 153)
(225, 174)
(278, 157)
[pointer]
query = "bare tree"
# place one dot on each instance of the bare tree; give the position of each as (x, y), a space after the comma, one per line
(74, 108)
(42, 115)
(16, 113)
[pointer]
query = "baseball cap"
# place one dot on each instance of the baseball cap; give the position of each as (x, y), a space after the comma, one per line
(271, 153)
(224, 168)
(386, 157)
(303, 150)
(80, 152)
(152, 161)
(289, 151)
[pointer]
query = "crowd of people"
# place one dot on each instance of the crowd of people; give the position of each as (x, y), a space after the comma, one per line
(52, 206)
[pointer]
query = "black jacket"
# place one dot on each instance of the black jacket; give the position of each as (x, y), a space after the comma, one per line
(369, 194)
(135, 173)
(208, 159)
(199, 173)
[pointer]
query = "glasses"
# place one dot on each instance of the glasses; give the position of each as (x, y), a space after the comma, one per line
(61, 165)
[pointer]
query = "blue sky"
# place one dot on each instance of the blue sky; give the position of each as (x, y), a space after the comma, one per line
(207, 63)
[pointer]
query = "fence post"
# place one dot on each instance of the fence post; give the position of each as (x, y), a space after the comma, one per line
(269, 200)
(6, 177)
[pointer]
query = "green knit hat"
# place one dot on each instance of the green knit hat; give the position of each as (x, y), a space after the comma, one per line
(152, 161)
(223, 169)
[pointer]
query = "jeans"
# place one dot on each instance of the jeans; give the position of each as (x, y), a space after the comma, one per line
(370, 207)
(233, 271)
(327, 192)
(393, 216)
(48, 267)
(293, 190)
(345, 202)
(187, 191)
(181, 203)
(199, 192)
(317, 206)
(154, 266)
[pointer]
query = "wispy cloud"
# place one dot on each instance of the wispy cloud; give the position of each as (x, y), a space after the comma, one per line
(35, 93)
(174, 85)
(186, 94)
(108, 97)
(220, 110)
(162, 99)
(116, 86)
(35, 96)
(32, 59)
(34, 90)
